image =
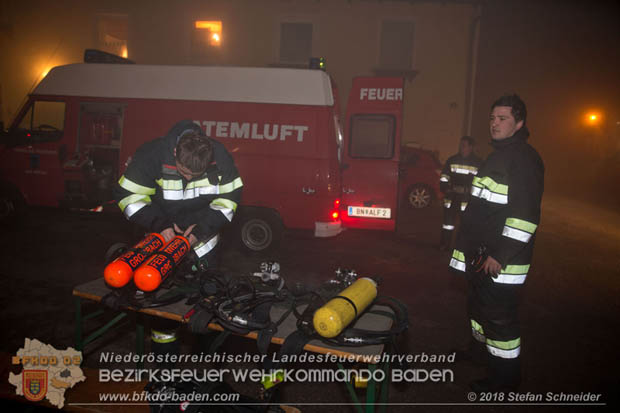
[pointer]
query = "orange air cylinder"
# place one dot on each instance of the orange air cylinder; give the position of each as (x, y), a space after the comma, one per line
(156, 269)
(120, 271)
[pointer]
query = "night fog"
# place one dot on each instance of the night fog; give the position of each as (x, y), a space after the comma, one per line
(563, 59)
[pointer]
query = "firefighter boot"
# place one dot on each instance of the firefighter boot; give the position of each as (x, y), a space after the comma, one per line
(505, 374)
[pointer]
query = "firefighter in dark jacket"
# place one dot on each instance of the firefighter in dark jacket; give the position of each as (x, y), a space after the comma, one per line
(183, 183)
(496, 241)
(455, 184)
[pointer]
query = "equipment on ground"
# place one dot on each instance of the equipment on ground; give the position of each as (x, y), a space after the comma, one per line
(120, 271)
(156, 269)
(340, 311)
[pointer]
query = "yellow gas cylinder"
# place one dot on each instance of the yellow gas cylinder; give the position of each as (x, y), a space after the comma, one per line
(333, 317)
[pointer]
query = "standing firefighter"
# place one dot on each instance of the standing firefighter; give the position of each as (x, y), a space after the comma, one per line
(496, 241)
(184, 183)
(455, 183)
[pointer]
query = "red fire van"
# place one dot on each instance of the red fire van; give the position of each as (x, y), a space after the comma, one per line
(74, 136)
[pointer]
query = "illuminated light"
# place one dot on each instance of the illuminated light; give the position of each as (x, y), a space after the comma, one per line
(124, 52)
(336, 203)
(593, 118)
(214, 29)
(45, 72)
(335, 214)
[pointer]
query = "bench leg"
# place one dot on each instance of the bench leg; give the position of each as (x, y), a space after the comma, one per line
(79, 344)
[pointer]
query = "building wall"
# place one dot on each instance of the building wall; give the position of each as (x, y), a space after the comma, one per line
(37, 35)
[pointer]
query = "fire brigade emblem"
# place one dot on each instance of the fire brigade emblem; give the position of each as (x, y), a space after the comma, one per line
(34, 384)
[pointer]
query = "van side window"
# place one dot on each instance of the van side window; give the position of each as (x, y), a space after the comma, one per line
(44, 121)
(372, 136)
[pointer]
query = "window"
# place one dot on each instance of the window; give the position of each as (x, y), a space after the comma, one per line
(396, 45)
(112, 34)
(295, 42)
(206, 38)
(101, 125)
(372, 136)
(44, 121)
(208, 32)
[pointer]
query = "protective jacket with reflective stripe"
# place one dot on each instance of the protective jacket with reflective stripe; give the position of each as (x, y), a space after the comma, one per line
(459, 171)
(154, 195)
(504, 209)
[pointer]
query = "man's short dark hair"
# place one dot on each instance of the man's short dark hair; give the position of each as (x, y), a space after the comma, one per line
(194, 151)
(517, 107)
(469, 140)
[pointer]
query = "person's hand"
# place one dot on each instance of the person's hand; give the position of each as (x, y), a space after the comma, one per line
(187, 233)
(491, 267)
(168, 234)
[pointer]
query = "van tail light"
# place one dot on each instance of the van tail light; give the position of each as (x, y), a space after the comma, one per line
(335, 213)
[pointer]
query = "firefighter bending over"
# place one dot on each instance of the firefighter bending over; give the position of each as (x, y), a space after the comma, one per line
(455, 184)
(496, 240)
(183, 183)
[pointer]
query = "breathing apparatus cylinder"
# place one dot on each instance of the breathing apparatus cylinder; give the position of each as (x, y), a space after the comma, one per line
(340, 311)
(156, 269)
(120, 271)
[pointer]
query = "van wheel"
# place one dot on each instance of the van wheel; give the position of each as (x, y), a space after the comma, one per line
(259, 231)
(419, 196)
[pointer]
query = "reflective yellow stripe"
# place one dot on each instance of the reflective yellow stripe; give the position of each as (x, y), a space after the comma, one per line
(123, 203)
(477, 332)
(521, 224)
(231, 186)
(225, 203)
(134, 187)
(458, 261)
(487, 182)
(169, 184)
(516, 269)
(163, 337)
(477, 327)
(458, 255)
(198, 184)
(512, 274)
(505, 345)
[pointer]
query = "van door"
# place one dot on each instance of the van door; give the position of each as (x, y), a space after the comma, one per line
(90, 175)
(35, 142)
(371, 155)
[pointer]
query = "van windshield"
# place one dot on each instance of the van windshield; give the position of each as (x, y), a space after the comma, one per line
(44, 121)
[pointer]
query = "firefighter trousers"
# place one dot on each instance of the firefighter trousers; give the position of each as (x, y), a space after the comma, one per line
(492, 309)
